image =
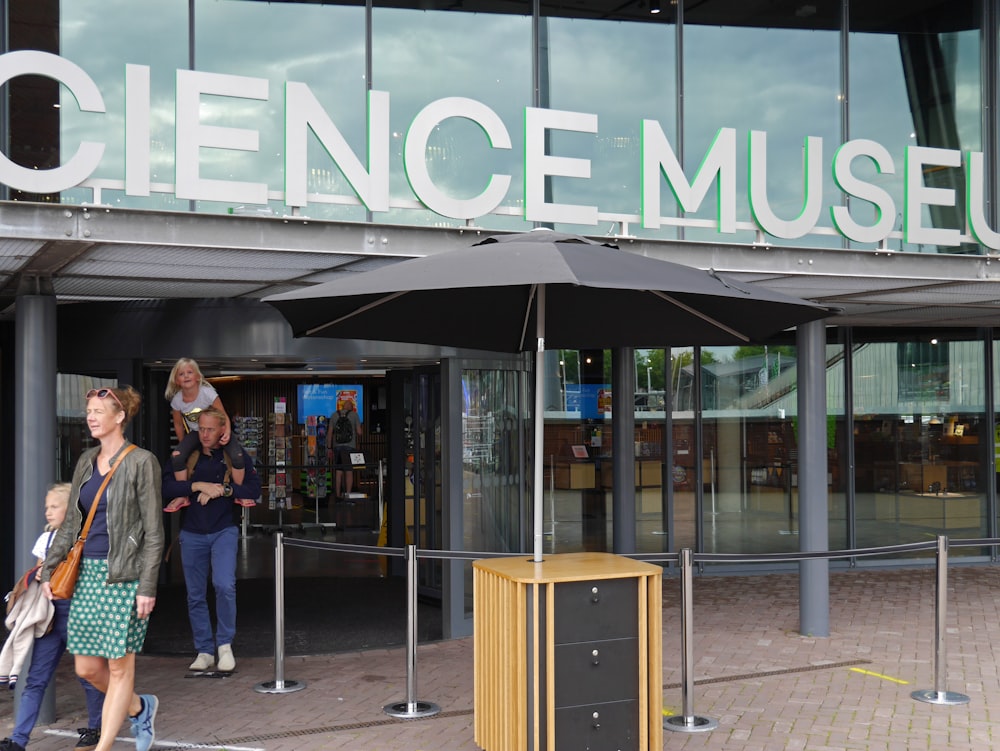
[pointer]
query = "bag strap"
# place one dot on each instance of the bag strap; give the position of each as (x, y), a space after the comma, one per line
(192, 462)
(97, 498)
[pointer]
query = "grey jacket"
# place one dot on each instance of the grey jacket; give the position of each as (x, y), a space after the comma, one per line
(135, 520)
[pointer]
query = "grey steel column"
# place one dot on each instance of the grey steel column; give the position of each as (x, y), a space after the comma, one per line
(34, 418)
(623, 443)
(34, 428)
(814, 576)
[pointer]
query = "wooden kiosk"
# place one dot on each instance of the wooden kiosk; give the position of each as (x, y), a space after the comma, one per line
(568, 653)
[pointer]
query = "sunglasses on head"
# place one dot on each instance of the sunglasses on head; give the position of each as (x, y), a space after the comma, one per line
(103, 394)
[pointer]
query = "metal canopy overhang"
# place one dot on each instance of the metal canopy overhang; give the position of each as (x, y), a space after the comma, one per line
(107, 254)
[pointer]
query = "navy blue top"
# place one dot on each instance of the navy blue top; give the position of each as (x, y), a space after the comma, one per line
(97, 544)
(218, 513)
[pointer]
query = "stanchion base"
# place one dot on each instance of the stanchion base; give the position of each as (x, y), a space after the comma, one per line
(279, 687)
(931, 696)
(681, 724)
(411, 710)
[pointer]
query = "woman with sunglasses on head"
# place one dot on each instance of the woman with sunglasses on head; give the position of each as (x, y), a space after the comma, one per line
(116, 589)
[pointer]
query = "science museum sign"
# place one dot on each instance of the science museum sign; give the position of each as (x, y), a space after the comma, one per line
(304, 119)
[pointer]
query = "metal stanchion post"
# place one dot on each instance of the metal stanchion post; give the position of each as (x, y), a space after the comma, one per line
(279, 685)
(411, 708)
(939, 694)
(688, 722)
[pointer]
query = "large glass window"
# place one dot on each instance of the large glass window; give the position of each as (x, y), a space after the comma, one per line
(624, 73)
(684, 476)
(920, 442)
(421, 56)
(577, 453)
(319, 45)
(102, 38)
(491, 460)
(652, 477)
(749, 449)
(914, 78)
(776, 72)
(915, 81)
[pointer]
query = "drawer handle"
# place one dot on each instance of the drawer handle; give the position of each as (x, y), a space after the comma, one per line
(595, 595)
(596, 655)
(596, 724)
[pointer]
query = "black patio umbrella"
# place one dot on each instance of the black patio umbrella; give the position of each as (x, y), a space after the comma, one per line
(538, 289)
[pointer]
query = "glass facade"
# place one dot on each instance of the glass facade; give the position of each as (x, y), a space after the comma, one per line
(917, 83)
(920, 438)
(391, 114)
(908, 454)
(215, 106)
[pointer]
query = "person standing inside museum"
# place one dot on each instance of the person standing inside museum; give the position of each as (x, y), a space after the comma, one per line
(209, 538)
(346, 431)
(116, 589)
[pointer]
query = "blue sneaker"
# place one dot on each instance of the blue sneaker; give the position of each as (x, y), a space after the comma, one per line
(143, 724)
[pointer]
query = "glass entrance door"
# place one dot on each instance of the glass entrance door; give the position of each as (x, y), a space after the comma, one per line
(422, 445)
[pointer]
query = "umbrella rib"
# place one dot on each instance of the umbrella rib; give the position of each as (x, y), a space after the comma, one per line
(699, 314)
(359, 311)
(527, 314)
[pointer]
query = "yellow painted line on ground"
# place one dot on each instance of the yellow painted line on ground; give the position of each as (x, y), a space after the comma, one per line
(879, 675)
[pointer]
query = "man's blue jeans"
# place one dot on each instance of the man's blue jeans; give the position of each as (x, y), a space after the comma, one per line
(45, 654)
(204, 555)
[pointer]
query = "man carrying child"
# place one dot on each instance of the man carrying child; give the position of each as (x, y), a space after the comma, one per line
(208, 500)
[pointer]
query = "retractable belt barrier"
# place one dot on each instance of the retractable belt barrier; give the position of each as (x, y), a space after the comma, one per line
(685, 559)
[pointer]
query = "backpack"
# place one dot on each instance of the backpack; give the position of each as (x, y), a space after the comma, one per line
(343, 430)
(194, 456)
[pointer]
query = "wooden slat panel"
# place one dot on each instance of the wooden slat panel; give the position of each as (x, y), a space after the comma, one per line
(507, 632)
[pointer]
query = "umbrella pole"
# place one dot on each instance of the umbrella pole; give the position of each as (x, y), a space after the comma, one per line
(539, 421)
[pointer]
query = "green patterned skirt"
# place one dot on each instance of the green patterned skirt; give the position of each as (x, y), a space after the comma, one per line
(102, 618)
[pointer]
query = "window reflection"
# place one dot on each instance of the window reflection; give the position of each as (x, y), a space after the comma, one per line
(919, 440)
(624, 73)
(491, 460)
(420, 56)
(754, 78)
(749, 458)
(322, 46)
(102, 37)
(915, 81)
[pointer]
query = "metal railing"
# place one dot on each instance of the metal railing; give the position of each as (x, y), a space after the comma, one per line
(686, 559)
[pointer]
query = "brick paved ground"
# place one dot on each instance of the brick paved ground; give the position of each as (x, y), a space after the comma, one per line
(767, 686)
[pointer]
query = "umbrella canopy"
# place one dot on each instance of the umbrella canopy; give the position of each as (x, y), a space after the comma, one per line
(596, 296)
(510, 293)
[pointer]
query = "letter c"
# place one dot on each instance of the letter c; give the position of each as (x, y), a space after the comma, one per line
(82, 164)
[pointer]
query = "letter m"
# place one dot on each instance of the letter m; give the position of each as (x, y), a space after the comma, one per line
(718, 166)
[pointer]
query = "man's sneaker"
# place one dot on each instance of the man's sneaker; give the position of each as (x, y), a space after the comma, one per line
(8, 745)
(226, 660)
(143, 724)
(202, 662)
(89, 738)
